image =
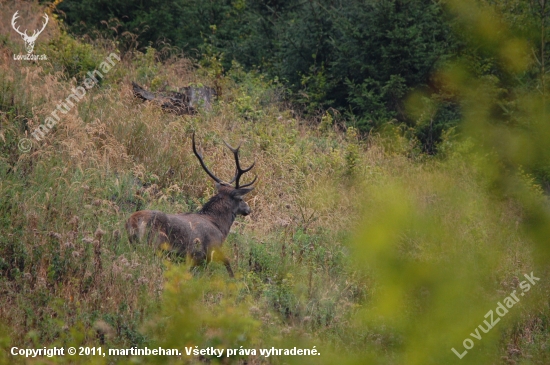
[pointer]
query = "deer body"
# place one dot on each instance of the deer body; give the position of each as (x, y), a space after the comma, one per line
(196, 235)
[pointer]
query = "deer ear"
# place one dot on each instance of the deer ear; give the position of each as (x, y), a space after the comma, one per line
(241, 192)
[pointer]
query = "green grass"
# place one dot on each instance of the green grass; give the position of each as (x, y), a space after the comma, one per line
(361, 247)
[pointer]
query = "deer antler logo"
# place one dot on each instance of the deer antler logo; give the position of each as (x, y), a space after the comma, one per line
(29, 40)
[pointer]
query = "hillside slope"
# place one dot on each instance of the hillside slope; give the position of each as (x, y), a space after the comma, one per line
(362, 247)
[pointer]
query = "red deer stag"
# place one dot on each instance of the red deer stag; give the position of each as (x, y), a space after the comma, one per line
(198, 235)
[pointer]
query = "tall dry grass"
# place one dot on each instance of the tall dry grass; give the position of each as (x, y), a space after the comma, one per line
(66, 259)
(69, 275)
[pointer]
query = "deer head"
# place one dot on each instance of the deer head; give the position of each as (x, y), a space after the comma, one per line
(235, 193)
(29, 40)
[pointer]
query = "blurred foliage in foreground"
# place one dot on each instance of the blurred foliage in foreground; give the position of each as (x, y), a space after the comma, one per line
(438, 269)
(435, 242)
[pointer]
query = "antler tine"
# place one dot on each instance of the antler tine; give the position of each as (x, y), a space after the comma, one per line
(46, 23)
(13, 19)
(34, 34)
(239, 171)
(250, 183)
(199, 156)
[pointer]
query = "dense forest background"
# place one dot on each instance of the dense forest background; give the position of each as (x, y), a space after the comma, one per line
(358, 59)
(403, 157)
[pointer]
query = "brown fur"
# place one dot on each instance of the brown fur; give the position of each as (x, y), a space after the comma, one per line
(197, 235)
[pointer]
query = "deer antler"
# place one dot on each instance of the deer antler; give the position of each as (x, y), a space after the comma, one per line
(199, 156)
(34, 34)
(13, 19)
(239, 171)
(24, 34)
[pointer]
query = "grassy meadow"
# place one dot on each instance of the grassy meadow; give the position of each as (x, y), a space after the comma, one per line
(359, 245)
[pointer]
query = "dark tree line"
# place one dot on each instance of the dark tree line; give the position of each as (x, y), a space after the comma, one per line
(359, 57)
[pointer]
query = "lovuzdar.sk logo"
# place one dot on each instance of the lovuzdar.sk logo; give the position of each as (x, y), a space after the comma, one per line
(29, 40)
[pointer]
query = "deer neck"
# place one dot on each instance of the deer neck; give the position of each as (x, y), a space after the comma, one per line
(223, 221)
(221, 215)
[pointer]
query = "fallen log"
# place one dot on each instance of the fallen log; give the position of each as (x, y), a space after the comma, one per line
(186, 101)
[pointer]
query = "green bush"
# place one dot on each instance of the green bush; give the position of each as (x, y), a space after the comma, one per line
(72, 57)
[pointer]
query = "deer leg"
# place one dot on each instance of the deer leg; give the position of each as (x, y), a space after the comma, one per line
(160, 241)
(218, 255)
(227, 264)
(197, 257)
